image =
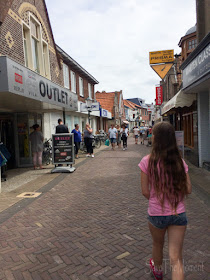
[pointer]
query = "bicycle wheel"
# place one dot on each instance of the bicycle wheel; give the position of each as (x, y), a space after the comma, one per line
(97, 143)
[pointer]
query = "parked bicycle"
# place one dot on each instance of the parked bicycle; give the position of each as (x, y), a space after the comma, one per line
(47, 152)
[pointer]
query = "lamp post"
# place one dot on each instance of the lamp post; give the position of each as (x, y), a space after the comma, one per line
(89, 102)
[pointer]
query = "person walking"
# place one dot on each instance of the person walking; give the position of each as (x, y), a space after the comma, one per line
(136, 134)
(165, 183)
(118, 136)
(113, 136)
(124, 136)
(88, 139)
(36, 138)
(61, 127)
(77, 139)
(143, 134)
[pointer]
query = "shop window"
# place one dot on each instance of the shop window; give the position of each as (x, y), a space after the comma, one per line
(81, 87)
(66, 75)
(73, 82)
(90, 90)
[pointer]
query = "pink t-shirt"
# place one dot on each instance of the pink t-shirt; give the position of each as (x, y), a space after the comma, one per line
(155, 208)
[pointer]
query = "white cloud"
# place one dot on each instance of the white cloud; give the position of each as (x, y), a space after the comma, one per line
(111, 39)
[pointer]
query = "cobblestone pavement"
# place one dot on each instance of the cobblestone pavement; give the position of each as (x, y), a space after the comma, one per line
(92, 225)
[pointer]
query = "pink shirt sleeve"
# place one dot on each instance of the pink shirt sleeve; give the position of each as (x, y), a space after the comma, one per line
(185, 166)
(143, 165)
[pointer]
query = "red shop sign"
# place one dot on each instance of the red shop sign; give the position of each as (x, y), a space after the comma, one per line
(159, 95)
(18, 78)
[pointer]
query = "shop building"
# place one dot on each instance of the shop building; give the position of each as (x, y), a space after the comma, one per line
(39, 82)
(178, 108)
(143, 115)
(196, 79)
(113, 103)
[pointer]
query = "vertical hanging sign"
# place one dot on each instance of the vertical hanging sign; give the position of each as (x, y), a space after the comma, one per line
(159, 95)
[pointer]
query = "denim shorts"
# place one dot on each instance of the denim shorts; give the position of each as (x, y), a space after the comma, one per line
(165, 221)
(113, 140)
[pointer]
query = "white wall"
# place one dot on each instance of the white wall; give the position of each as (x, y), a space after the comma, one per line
(50, 123)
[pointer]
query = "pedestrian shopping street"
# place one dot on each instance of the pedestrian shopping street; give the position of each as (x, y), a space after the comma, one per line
(92, 224)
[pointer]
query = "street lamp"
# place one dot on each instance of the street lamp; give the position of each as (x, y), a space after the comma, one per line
(89, 102)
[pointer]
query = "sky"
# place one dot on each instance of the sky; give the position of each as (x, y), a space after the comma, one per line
(112, 39)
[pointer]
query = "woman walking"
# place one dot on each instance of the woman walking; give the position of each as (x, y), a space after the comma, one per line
(165, 183)
(124, 136)
(77, 139)
(37, 139)
(88, 138)
(118, 136)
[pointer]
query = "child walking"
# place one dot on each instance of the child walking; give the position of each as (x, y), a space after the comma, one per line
(165, 183)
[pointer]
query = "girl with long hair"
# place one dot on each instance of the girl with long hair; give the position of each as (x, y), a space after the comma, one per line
(165, 183)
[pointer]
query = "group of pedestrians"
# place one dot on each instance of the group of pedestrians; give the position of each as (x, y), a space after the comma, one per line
(36, 138)
(142, 132)
(87, 135)
(118, 134)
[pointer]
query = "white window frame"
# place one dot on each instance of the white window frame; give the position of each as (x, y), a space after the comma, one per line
(43, 58)
(66, 76)
(73, 82)
(81, 87)
(90, 90)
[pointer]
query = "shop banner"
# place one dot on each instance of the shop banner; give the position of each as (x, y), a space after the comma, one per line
(63, 148)
(17, 79)
(159, 95)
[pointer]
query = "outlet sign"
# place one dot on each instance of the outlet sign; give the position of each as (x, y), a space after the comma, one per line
(17, 79)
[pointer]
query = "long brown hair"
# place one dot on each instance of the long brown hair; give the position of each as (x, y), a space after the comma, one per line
(166, 168)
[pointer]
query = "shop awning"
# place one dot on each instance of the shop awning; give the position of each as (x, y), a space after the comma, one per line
(181, 99)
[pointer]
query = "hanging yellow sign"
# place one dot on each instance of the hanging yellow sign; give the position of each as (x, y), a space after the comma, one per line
(161, 56)
(162, 69)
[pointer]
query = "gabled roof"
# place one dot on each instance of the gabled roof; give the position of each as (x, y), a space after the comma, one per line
(70, 61)
(128, 104)
(106, 100)
(139, 102)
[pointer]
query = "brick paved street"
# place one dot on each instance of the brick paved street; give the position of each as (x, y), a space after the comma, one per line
(92, 225)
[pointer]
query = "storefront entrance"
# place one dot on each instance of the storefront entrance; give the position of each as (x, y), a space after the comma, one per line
(14, 134)
(24, 124)
(7, 137)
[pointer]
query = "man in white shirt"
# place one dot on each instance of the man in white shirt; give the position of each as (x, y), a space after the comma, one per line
(113, 135)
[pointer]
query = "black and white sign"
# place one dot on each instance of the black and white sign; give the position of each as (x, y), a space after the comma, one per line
(197, 68)
(94, 107)
(20, 80)
(63, 148)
